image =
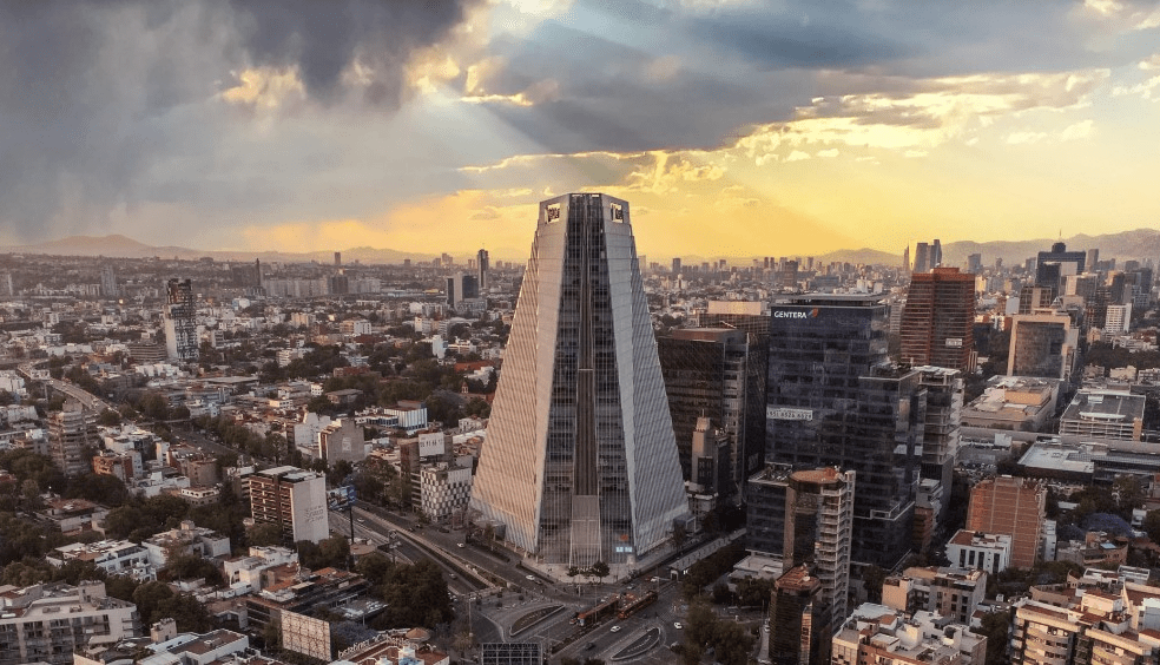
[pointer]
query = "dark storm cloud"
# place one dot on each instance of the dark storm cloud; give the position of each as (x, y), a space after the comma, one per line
(93, 94)
(751, 63)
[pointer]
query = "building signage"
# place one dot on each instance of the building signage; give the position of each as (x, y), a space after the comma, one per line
(954, 342)
(782, 413)
(795, 314)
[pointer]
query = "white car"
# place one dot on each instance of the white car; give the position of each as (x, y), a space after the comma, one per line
(615, 629)
(677, 625)
(530, 578)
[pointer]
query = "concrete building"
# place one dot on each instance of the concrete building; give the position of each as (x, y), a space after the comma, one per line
(245, 573)
(1013, 403)
(942, 429)
(1014, 507)
(342, 440)
(72, 437)
(1103, 416)
(115, 557)
(580, 463)
(1043, 345)
(990, 552)
(445, 490)
(939, 318)
(950, 592)
(884, 636)
(46, 623)
(186, 540)
(799, 621)
(1108, 620)
(293, 499)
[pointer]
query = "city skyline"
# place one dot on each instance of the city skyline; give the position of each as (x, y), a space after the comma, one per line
(792, 129)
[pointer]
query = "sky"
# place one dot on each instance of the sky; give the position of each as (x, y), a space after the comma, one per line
(733, 127)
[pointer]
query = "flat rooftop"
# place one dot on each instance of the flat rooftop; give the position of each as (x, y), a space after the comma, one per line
(1105, 406)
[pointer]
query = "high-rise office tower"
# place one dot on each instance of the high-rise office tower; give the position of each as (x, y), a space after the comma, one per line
(921, 257)
(975, 264)
(461, 287)
(938, 320)
(936, 258)
(906, 258)
(715, 373)
(293, 499)
(70, 431)
(677, 265)
(1051, 267)
(1014, 507)
(483, 261)
(833, 399)
(179, 318)
(581, 465)
(338, 258)
(109, 282)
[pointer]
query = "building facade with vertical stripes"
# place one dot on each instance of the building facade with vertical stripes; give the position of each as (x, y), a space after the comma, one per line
(581, 463)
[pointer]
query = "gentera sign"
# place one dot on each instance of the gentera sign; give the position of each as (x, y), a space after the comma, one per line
(795, 314)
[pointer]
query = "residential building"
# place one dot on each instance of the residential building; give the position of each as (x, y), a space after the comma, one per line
(186, 540)
(941, 429)
(581, 463)
(799, 621)
(1012, 506)
(46, 623)
(179, 314)
(939, 318)
(990, 552)
(293, 499)
(950, 592)
(72, 437)
(115, 557)
(342, 439)
(884, 636)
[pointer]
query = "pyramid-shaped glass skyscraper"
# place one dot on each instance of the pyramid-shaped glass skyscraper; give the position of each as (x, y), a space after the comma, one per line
(580, 463)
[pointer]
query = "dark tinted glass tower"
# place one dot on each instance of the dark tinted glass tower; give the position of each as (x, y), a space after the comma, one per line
(833, 399)
(709, 372)
(580, 463)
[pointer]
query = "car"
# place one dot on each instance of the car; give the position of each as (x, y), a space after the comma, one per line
(361, 521)
(615, 629)
(530, 578)
(677, 625)
(460, 545)
(590, 646)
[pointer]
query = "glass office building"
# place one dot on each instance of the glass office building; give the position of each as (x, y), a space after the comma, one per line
(835, 400)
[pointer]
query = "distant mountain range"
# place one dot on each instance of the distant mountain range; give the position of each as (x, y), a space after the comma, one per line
(1139, 245)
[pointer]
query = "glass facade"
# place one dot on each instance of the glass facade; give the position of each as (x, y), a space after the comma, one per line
(833, 399)
(580, 464)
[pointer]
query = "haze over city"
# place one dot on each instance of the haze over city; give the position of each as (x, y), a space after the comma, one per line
(785, 128)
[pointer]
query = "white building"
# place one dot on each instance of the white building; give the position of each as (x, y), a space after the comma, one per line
(116, 557)
(46, 623)
(445, 490)
(244, 574)
(989, 552)
(188, 539)
(1118, 320)
(293, 499)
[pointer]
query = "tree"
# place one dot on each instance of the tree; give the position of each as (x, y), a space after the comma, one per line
(872, 580)
(264, 534)
(995, 627)
(109, 418)
(600, 570)
(1152, 525)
